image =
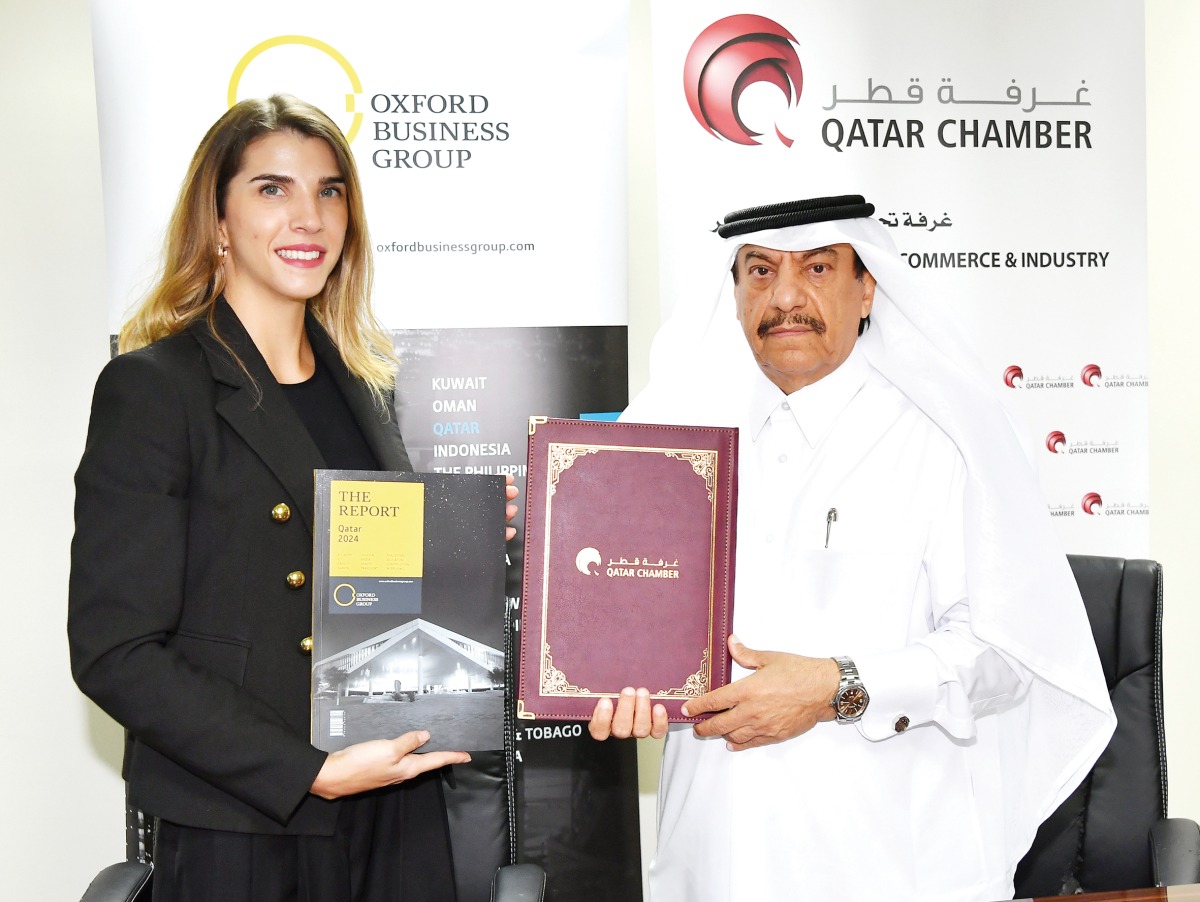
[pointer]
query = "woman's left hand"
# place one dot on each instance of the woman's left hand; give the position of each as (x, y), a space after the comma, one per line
(510, 510)
(379, 762)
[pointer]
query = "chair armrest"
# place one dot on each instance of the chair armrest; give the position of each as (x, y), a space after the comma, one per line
(519, 883)
(126, 881)
(1175, 851)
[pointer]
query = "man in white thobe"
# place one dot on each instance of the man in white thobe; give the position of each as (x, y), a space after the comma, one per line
(933, 691)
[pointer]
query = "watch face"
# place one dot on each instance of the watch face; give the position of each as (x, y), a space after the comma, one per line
(852, 701)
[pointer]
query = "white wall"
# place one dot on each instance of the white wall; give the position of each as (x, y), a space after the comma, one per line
(62, 813)
(61, 817)
(1173, 122)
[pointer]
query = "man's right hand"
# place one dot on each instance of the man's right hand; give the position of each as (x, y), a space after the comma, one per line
(633, 716)
(379, 762)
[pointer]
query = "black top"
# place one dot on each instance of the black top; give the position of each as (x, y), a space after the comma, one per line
(326, 416)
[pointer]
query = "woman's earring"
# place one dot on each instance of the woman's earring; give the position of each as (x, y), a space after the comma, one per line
(221, 249)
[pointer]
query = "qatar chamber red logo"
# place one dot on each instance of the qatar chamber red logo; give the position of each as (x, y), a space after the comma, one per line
(729, 56)
(1054, 441)
(1090, 374)
(1091, 501)
(1013, 375)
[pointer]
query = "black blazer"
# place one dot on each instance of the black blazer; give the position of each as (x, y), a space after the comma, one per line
(182, 623)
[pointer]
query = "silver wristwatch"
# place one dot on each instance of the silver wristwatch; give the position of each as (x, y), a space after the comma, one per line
(850, 701)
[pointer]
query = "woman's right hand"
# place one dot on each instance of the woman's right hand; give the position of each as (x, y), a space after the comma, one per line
(379, 762)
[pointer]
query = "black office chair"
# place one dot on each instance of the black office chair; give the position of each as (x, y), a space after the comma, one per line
(1112, 832)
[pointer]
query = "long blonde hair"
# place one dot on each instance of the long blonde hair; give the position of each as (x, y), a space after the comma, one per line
(192, 279)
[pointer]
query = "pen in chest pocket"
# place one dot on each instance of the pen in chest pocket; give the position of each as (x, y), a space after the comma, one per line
(830, 519)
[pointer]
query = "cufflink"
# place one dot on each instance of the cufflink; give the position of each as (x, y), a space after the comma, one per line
(901, 724)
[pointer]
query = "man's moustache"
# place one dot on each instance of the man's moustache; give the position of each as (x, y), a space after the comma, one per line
(791, 319)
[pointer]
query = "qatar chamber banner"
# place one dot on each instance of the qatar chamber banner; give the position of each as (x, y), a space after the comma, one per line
(491, 141)
(1003, 143)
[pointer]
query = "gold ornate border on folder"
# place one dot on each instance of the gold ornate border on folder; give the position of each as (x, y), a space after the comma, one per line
(560, 457)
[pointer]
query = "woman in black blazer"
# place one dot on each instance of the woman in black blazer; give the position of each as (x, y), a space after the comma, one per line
(255, 360)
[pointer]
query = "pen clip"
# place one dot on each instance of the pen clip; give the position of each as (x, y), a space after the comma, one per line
(830, 519)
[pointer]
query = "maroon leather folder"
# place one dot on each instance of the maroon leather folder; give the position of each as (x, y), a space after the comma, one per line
(628, 580)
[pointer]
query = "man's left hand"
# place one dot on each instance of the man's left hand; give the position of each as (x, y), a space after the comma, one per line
(785, 696)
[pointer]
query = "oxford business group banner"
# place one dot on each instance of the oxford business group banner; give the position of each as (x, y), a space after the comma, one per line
(491, 143)
(1003, 143)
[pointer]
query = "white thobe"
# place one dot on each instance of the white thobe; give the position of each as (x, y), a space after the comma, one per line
(862, 812)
